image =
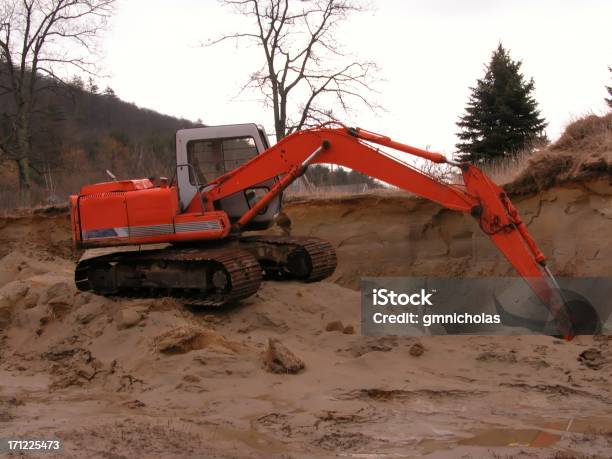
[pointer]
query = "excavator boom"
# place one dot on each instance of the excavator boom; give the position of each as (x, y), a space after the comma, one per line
(354, 148)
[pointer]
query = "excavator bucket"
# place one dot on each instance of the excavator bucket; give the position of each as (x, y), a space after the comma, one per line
(583, 316)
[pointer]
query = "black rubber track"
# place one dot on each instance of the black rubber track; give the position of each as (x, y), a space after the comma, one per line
(321, 253)
(243, 270)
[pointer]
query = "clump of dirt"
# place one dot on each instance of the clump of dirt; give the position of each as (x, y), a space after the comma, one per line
(583, 152)
(72, 366)
(416, 350)
(279, 359)
(371, 344)
(179, 340)
(492, 356)
(188, 338)
(592, 358)
(337, 325)
(343, 441)
(10, 295)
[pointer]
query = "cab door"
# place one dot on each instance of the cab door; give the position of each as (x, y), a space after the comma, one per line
(203, 154)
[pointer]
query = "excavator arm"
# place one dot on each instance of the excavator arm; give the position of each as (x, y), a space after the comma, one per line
(355, 148)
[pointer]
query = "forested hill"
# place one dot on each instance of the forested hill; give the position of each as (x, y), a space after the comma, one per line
(79, 131)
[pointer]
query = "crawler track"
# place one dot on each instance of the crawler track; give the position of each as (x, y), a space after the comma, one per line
(308, 259)
(203, 277)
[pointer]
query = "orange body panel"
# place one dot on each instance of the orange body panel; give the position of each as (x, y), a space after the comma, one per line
(123, 185)
(140, 214)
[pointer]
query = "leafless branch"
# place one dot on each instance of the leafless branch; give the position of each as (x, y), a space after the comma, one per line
(44, 38)
(305, 67)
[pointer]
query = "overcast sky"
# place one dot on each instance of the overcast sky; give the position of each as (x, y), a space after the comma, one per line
(429, 54)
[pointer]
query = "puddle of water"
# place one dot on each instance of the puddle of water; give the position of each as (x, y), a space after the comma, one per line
(550, 433)
(547, 433)
(581, 425)
(511, 437)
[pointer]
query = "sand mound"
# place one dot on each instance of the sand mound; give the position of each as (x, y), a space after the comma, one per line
(584, 152)
(135, 377)
(592, 133)
(40, 233)
(404, 236)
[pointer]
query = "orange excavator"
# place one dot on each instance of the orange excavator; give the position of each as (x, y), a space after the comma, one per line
(184, 237)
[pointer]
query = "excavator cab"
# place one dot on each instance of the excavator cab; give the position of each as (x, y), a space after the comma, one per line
(204, 154)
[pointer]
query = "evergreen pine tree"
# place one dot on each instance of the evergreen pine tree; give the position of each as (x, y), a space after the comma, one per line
(502, 117)
(609, 88)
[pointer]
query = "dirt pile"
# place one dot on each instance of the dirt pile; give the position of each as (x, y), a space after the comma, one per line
(45, 230)
(405, 236)
(125, 378)
(584, 152)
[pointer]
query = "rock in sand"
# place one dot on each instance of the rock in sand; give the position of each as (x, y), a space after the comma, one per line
(279, 359)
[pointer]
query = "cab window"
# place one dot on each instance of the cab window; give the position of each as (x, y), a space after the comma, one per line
(212, 158)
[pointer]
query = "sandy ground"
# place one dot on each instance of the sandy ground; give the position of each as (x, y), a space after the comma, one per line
(399, 236)
(150, 378)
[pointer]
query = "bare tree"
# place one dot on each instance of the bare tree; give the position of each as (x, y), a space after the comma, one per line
(305, 70)
(609, 89)
(42, 38)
